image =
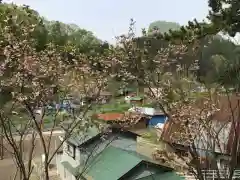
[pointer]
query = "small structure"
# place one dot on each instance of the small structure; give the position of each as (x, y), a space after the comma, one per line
(113, 155)
(104, 97)
(136, 100)
(158, 121)
(125, 120)
(78, 149)
(145, 111)
(157, 117)
(111, 116)
(116, 163)
(125, 91)
(72, 156)
(127, 99)
(220, 147)
(99, 97)
(130, 165)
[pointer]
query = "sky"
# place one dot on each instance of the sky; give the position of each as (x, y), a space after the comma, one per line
(110, 18)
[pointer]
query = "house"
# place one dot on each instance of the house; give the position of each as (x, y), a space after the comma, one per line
(143, 110)
(158, 121)
(215, 142)
(105, 96)
(133, 99)
(156, 117)
(118, 164)
(78, 148)
(127, 99)
(113, 158)
(126, 91)
(130, 165)
(136, 100)
(71, 151)
(111, 116)
(128, 119)
(100, 97)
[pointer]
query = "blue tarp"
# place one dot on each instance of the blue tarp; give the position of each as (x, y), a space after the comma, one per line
(157, 119)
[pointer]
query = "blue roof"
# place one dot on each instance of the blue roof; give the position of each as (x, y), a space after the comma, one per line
(157, 119)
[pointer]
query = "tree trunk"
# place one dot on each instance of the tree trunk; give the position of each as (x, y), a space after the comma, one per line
(2, 149)
(46, 173)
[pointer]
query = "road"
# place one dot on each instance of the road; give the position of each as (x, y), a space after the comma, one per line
(46, 133)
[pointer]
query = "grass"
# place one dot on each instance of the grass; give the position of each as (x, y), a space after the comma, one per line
(20, 119)
(149, 105)
(117, 105)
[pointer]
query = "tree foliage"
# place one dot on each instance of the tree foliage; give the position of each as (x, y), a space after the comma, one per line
(41, 61)
(65, 35)
(34, 73)
(225, 15)
(186, 107)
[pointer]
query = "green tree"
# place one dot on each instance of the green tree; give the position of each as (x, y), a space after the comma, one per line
(224, 15)
(40, 32)
(215, 54)
(65, 35)
(57, 33)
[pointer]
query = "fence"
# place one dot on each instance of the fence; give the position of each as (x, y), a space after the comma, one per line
(213, 175)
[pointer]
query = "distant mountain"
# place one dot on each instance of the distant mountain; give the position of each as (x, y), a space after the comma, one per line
(163, 26)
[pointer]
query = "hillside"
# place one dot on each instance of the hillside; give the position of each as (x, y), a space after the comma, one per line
(163, 26)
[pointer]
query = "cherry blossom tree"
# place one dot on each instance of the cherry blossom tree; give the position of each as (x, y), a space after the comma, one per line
(30, 80)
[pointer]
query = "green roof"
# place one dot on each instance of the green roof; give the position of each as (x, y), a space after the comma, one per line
(112, 164)
(79, 139)
(164, 176)
(136, 98)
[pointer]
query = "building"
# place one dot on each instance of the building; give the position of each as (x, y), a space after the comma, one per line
(144, 110)
(156, 118)
(158, 121)
(215, 141)
(110, 156)
(125, 120)
(107, 117)
(78, 148)
(118, 164)
(126, 91)
(96, 96)
(104, 96)
(136, 100)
